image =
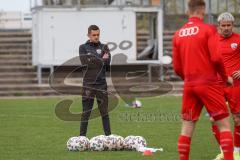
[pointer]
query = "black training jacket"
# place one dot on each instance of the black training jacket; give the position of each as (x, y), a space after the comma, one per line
(94, 65)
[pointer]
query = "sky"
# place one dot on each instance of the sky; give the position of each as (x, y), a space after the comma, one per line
(15, 5)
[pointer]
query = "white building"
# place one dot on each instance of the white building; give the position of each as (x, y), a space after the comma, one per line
(15, 20)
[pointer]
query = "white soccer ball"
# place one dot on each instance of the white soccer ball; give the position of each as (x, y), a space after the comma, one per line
(166, 60)
(139, 141)
(137, 104)
(97, 143)
(114, 143)
(80, 143)
(134, 142)
(129, 143)
(119, 142)
(110, 143)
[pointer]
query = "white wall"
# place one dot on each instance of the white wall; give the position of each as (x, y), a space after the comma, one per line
(57, 33)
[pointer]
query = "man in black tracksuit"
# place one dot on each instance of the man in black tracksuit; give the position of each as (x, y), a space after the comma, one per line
(96, 58)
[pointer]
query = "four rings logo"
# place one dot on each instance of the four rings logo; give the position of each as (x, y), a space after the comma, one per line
(188, 31)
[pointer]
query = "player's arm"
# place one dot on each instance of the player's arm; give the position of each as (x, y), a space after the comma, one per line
(216, 57)
(87, 59)
(236, 74)
(83, 55)
(106, 55)
(177, 62)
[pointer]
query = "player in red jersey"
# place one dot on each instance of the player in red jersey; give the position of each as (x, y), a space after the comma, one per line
(198, 68)
(227, 44)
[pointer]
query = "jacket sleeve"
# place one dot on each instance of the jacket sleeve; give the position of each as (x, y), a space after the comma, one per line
(216, 57)
(83, 55)
(177, 61)
(107, 51)
(107, 61)
(90, 61)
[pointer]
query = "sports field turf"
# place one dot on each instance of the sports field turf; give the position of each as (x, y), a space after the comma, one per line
(29, 130)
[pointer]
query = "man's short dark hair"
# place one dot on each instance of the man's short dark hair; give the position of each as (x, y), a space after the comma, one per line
(92, 27)
(194, 5)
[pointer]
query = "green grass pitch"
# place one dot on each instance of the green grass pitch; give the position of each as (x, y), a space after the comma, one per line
(30, 130)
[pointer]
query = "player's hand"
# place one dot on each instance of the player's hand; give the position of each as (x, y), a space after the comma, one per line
(105, 56)
(230, 81)
(236, 74)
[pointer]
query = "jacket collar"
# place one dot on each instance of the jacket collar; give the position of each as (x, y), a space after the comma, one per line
(93, 44)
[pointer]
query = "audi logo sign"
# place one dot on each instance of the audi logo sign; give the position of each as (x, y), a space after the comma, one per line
(188, 31)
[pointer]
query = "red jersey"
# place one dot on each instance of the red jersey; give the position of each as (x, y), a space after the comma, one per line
(192, 59)
(229, 48)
